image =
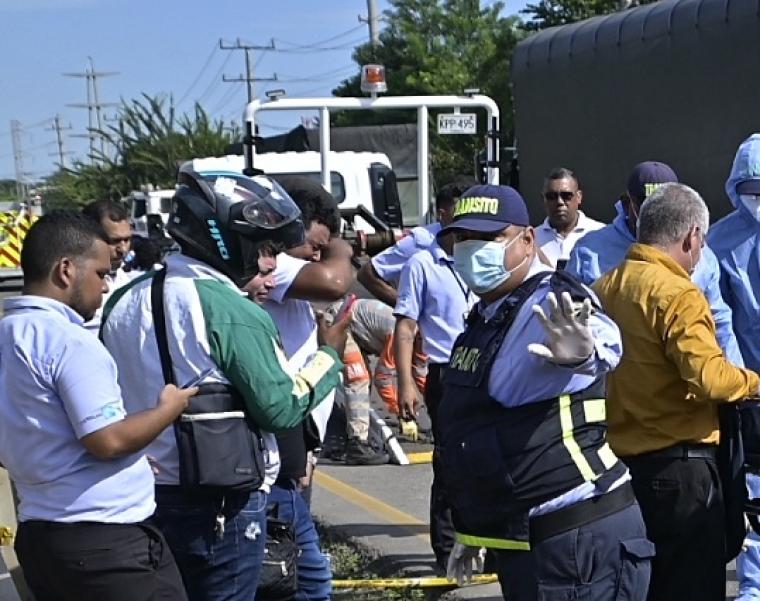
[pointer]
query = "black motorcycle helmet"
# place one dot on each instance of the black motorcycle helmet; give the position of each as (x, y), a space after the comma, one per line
(222, 218)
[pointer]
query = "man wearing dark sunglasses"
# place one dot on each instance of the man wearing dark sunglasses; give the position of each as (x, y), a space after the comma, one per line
(565, 223)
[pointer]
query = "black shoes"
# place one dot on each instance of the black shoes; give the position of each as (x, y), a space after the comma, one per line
(359, 452)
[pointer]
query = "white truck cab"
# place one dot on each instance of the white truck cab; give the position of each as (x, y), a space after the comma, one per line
(356, 178)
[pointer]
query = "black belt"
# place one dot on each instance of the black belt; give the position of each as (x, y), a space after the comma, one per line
(581, 513)
(679, 451)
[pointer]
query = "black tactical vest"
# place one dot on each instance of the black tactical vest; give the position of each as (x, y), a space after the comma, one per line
(499, 461)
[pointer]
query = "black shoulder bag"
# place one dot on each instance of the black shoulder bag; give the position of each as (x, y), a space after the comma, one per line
(219, 448)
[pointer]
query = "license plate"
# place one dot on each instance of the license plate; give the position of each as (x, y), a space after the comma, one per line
(461, 123)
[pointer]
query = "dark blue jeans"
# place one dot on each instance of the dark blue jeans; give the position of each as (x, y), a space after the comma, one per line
(314, 575)
(606, 560)
(215, 565)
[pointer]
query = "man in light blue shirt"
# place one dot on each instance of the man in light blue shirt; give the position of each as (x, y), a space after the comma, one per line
(380, 276)
(85, 491)
(522, 421)
(598, 252)
(433, 298)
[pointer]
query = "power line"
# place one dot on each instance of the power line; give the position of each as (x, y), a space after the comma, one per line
(214, 81)
(39, 147)
(35, 125)
(249, 78)
(198, 77)
(25, 128)
(307, 50)
(316, 77)
(305, 92)
(319, 43)
(226, 99)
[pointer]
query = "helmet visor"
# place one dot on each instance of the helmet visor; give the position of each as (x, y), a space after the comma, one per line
(255, 201)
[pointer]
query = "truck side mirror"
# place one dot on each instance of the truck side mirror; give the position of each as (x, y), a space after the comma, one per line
(385, 200)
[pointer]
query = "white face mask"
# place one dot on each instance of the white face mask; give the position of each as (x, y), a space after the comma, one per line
(752, 204)
(480, 263)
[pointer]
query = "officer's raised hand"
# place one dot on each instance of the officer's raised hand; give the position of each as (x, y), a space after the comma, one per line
(569, 338)
(333, 335)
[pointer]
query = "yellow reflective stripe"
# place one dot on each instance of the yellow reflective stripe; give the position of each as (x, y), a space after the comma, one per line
(412, 582)
(492, 543)
(594, 410)
(607, 456)
(310, 375)
(566, 423)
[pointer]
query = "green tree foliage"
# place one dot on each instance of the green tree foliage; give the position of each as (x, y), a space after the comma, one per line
(149, 140)
(548, 13)
(441, 47)
(7, 190)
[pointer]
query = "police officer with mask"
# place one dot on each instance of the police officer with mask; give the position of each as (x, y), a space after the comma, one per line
(527, 467)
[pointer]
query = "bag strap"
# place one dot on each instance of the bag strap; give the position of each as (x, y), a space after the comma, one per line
(159, 324)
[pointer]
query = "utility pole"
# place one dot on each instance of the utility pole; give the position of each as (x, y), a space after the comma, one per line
(58, 128)
(18, 160)
(93, 105)
(249, 78)
(372, 21)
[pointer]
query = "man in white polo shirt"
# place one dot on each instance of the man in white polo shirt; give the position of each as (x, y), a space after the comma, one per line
(565, 223)
(85, 490)
(114, 219)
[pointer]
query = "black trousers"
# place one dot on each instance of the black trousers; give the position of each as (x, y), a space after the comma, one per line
(441, 528)
(103, 562)
(682, 504)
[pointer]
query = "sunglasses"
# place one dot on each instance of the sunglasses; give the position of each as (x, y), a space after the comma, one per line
(554, 196)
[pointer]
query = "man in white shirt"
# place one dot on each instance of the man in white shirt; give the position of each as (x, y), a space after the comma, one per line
(565, 223)
(320, 270)
(114, 220)
(85, 488)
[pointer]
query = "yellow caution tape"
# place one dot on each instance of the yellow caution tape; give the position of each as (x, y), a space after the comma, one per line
(421, 582)
(6, 535)
(422, 457)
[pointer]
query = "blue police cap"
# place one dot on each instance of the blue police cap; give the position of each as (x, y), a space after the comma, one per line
(646, 177)
(488, 208)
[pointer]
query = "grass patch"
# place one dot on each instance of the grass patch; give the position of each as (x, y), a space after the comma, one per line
(352, 562)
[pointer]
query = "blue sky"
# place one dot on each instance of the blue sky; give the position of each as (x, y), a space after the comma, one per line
(162, 46)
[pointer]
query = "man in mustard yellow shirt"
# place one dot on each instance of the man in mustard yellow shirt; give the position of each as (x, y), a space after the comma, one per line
(662, 399)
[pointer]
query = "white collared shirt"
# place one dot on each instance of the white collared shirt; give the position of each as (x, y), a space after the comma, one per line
(557, 247)
(58, 384)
